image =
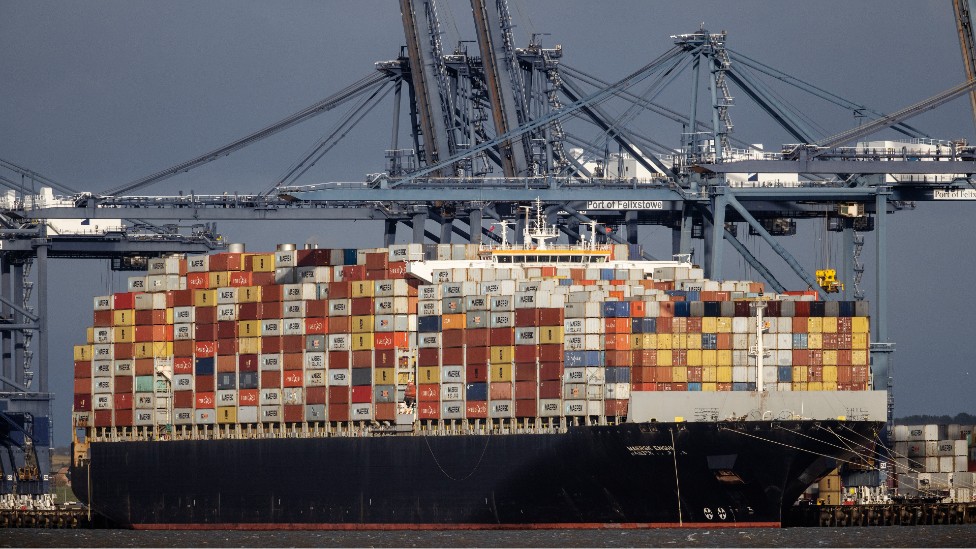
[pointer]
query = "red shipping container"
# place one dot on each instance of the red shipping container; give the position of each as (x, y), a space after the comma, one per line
(339, 324)
(313, 258)
(384, 358)
(226, 329)
(361, 306)
(183, 348)
(383, 340)
(227, 347)
(615, 407)
(500, 391)
(476, 409)
(377, 260)
(123, 351)
(204, 401)
(204, 349)
(272, 294)
(526, 371)
(182, 298)
(663, 324)
(315, 395)
(526, 318)
(123, 384)
(477, 355)
(83, 368)
(397, 269)
(526, 354)
(123, 401)
(143, 318)
(83, 385)
(815, 373)
(338, 395)
(247, 311)
(477, 373)
(103, 418)
(429, 392)
(428, 356)
(428, 410)
(182, 399)
(270, 310)
(293, 361)
(82, 403)
(226, 363)
(551, 353)
(550, 370)
(292, 343)
(550, 389)
(386, 411)
(525, 389)
(453, 356)
(362, 359)
(316, 325)
(340, 289)
(526, 408)
(551, 316)
(453, 338)
(240, 279)
(204, 383)
(123, 418)
(182, 365)
(271, 344)
(124, 300)
(293, 378)
(162, 333)
(353, 273)
(144, 367)
(338, 360)
(206, 332)
(664, 374)
(694, 374)
(262, 279)
(617, 358)
(338, 412)
(102, 319)
(247, 363)
(270, 379)
(294, 413)
(502, 336)
(248, 397)
(362, 394)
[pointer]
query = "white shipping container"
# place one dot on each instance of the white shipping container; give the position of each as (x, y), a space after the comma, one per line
(102, 368)
(429, 308)
(270, 413)
(620, 391)
(143, 417)
(574, 342)
(270, 361)
(339, 307)
(226, 312)
(247, 414)
(428, 292)
(429, 340)
(360, 412)
(452, 391)
(136, 284)
(183, 382)
(227, 397)
(124, 367)
(574, 408)
(103, 351)
(293, 395)
(293, 309)
(144, 401)
(183, 332)
(286, 258)
(197, 263)
(143, 302)
(338, 378)
(315, 378)
(452, 410)
(338, 342)
(204, 417)
(526, 336)
(103, 385)
(593, 342)
(270, 396)
(593, 326)
(315, 360)
(184, 314)
(292, 326)
(550, 407)
(575, 325)
(503, 319)
(183, 416)
(501, 408)
(452, 374)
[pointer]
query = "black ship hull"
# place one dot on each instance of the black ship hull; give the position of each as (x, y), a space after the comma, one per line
(722, 474)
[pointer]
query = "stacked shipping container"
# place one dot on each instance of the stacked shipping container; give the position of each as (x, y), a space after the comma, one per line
(935, 460)
(314, 336)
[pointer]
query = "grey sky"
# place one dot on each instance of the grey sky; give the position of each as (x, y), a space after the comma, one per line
(96, 94)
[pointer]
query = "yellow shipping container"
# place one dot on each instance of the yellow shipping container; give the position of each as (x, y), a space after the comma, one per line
(859, 358)
(123, 334)
(83, 352)
(815, 324)
(501, 354)
(453, 322)
(694, 357)
(664, 343)
(830, 374)
(428, 374)
(800, 386)
(859, 341)
(723, 357)
(169, 315)
(709, 325)
(362, 288)
(550, 335)
(219, 279)
(162, 348)
(385, 376)
(723, 325)
(205, 298)
(830, 359)
(248, 328)
(799, 374)
(643, 341)
(403, 378)
(142, 350)
(859, 324)
(249, 345)
(709, 375)
(709, 386)
(815, 386)
(249, 294)
(693, 341)
(724, 374)
(226, 414)
(709, 357)
(362, 323)
(829, 386)
(362, 341)
(500, 373)
(124, 317)
(663, 356)
(829, 324)
(679, 374)
(263, 263)
(814, 340)
(90, 335)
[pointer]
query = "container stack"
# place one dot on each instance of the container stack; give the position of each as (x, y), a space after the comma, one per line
(306, 337)
(935, 461)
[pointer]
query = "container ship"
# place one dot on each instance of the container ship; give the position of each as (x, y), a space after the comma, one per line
(462, 386)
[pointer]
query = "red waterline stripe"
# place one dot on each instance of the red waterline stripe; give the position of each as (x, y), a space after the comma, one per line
(473, 526)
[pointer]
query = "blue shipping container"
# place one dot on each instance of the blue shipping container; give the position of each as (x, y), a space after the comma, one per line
(249, 380)
(427, 324)
(694, 386)
(226, 380)
(682, 308)
(784, 374)
(477, 391)
(349, 256)
(204, 366)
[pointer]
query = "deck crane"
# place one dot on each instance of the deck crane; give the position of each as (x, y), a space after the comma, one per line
(967, 42)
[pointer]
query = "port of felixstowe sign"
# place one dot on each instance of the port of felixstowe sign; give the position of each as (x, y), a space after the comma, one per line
(958, 194)
(625, 205)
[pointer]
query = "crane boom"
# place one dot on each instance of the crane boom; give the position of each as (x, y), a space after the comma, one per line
(964, 25)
